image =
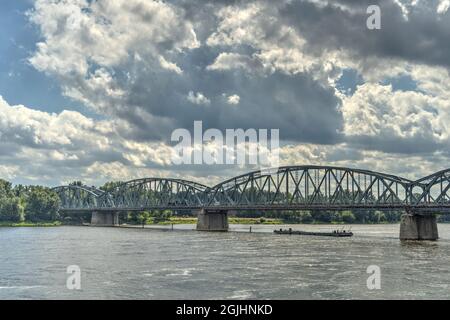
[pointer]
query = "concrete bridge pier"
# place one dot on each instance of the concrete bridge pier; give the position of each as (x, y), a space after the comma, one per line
(105, 219)
(418, 227)
(212, 220)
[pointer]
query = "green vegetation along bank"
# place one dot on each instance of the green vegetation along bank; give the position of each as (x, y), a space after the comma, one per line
(32, 204)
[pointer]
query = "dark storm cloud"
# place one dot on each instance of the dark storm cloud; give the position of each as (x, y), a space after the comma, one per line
(423, 37)
(155, 100)
(390, 143)
(303, 109)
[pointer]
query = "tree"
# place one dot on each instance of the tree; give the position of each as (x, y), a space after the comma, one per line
(11, 209)
(392, 216)
(160, 215)
(143, 217)
(321, 215)
(348, 216)
(378, 217)
(306, 217)
(110, 186)
(5, 189)
(41, 204)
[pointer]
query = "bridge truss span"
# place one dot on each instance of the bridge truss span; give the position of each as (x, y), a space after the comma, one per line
(431, 191)
(156, 193)
(284, 188)
(75, 197)
(309, 187)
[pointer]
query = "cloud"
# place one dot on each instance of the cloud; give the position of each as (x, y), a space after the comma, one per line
(55, 148)
(229, 61)
(421, 38)
(376, 117)
(169, 65)
(443, 6)
(81, 33)
(277, 46)
(233, 99)
(90, 46)
(39, 129)
(198, 98)
(135, 60)
(145, 68)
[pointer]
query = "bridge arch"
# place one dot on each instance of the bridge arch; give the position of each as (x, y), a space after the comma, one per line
(431, 190)
(156, 193)
(78, 197)
(298, 187)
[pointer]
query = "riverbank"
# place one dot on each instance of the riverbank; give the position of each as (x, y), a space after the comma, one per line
(193, 220)
(175, 221)
(30, 224)
(231, 220)
(241, 220)
(150, 221)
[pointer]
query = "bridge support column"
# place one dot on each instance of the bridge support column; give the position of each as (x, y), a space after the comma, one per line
(104, 219)
(212, 220)
(418, 227)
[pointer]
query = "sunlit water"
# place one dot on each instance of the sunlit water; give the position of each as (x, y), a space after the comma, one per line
(125, 263)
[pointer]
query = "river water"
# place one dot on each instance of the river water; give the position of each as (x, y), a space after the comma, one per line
(135, 263)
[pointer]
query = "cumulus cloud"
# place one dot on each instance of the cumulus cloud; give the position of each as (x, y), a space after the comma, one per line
(443, 6)
(198, 98)
(56, 148)
(233, 99)
(80, 33)
(395, 121)
(278, 46)
(40, 129)
(91, 45)
(230, 60)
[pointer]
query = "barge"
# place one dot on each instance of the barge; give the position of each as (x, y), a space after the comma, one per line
(334, 233)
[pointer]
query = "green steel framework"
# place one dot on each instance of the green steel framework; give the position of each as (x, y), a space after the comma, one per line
(284, 188)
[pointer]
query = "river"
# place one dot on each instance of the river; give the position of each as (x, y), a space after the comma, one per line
(135, 263)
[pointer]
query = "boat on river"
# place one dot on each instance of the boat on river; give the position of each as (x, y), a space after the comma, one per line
(334, 233)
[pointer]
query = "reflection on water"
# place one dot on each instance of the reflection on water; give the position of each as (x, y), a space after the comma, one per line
(135, 263)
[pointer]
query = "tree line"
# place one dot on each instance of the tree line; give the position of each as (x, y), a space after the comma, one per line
(38, 204)
(27, 203)
(328, 216)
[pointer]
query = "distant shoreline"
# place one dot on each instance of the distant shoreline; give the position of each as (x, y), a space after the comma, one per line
(176, 221)
(28, 224)
(193, 221)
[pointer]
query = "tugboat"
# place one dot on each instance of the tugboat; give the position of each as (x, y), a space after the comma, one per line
(334, 233)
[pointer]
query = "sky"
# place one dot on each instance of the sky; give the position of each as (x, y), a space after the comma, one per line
(92, 90)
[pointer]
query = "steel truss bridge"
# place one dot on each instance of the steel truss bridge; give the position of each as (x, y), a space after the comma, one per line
(286, 188)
